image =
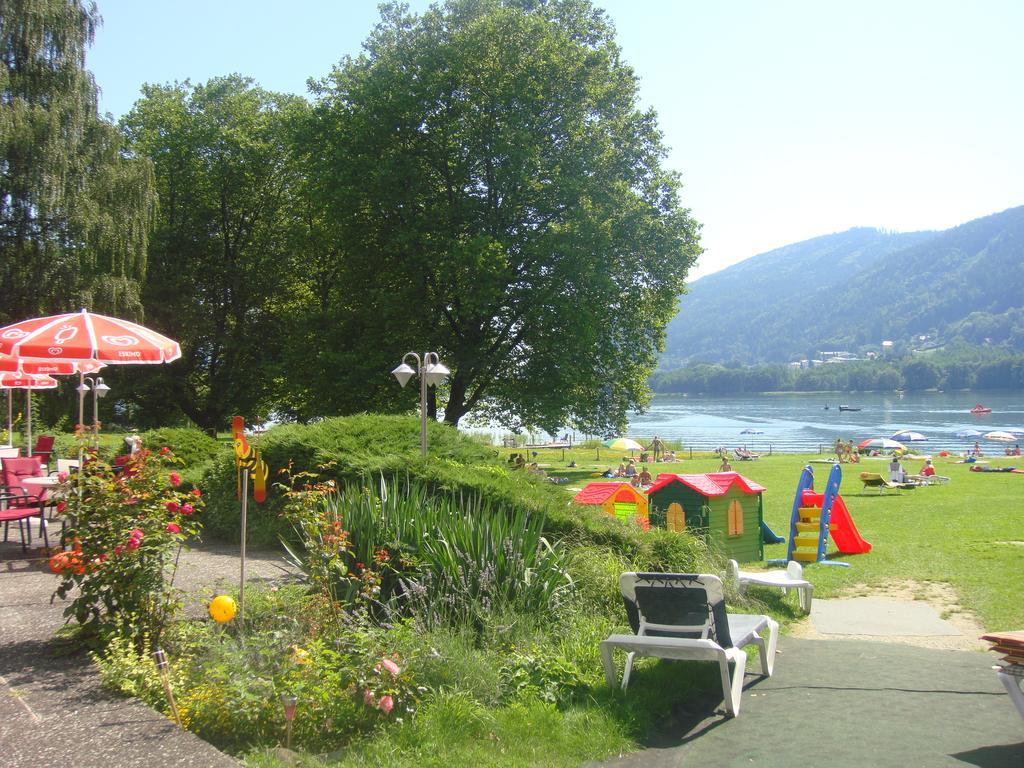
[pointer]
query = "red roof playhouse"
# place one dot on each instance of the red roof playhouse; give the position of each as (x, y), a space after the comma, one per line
(726, 507)
(619, 500)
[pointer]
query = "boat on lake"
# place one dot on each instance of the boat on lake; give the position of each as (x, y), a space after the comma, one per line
(848, 408)
(979, 408)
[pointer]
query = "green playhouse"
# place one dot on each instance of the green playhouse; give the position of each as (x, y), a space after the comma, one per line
(725, 507)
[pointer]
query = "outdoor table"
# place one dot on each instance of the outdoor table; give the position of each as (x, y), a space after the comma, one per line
(1012, 678)
(37, 485)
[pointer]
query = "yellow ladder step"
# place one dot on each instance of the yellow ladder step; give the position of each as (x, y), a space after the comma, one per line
(806, 541)
(805, 556)
(805, 527)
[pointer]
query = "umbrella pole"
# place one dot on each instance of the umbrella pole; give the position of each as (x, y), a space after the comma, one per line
(81, 414)
(10, 416)
(28, 421)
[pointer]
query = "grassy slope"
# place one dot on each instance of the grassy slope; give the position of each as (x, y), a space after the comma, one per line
(957, 533)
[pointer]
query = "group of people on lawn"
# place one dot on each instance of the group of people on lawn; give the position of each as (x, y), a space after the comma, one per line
(846, 452)
(639, 477)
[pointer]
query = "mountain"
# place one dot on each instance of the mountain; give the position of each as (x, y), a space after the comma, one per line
(854, 289)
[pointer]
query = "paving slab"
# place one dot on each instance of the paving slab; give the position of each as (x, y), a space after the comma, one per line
(880, 617)
(851, 704)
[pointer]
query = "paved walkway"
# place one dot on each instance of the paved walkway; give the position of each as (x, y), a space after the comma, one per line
(52, 708)
(834, 703)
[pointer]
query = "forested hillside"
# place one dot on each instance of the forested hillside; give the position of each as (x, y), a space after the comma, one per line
(852, 290)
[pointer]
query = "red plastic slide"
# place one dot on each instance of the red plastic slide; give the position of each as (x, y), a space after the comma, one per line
(845, 534)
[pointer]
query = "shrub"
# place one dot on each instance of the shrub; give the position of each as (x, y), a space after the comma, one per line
(348, 449)
(129, 523)
(190, 444)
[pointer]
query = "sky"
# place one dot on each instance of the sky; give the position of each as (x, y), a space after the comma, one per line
(786, 119)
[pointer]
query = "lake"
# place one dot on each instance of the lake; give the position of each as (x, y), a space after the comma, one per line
(799, 422)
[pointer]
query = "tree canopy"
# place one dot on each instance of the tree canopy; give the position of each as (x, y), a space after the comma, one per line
(221, 258)
(75, 211)
(496, 196)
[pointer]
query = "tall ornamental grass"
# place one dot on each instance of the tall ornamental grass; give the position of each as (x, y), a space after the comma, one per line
(448, 559)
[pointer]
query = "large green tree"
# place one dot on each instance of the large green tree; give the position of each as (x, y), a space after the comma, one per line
(221, 260)
(493, 192)
(75, 210)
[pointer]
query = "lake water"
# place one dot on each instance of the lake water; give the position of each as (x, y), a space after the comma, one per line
(797, 422)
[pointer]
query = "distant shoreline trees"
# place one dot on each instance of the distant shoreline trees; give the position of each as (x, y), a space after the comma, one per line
(949, 370)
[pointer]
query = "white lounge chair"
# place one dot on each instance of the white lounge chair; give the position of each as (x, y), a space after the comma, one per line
(791, 578)
(683, 616)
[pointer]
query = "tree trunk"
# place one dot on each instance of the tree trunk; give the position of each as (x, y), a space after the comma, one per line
(456, 406)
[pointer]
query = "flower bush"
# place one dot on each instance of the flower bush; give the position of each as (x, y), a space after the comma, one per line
(129, 523)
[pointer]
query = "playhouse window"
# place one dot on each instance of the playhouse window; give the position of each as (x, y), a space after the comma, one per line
(675, 519)
(735, 518)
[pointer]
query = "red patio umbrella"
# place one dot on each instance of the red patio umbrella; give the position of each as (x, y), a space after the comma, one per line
(86, 336)
(47, 367)
(51, 368)
(28, 382)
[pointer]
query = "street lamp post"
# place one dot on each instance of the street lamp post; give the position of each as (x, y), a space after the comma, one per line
(432, 372)
(99, 389)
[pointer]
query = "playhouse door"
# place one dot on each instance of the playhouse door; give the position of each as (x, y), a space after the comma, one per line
(675, 519)
(625, 511)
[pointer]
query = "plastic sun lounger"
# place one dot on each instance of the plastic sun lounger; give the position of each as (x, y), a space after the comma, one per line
(875, 480)
(791, 578)
(682, 616)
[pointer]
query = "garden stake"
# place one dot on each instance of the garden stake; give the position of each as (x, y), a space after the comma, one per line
(161, 665)
(289, 701)
(241, 580)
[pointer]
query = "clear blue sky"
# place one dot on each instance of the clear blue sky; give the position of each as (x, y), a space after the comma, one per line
(786, 118)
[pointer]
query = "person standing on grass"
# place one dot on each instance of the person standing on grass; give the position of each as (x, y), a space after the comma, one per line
(656, 447)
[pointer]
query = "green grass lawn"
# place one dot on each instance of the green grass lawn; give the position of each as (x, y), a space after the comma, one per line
(968, 533)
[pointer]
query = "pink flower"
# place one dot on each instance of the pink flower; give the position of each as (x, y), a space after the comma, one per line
(386, 704)
(118, 549)
(164, 451)
(368, 698)
(173, 528)
(62, 477)
(133, 543)
(172, 506)
(187, 509)
(136, 533)
(175, 479)
(196, 492)
(389, 665)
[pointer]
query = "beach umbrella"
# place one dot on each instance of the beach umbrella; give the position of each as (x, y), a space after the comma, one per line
(86, 336)
(623, 444)
(1000, 436)
(907, 436)
(881, 443)
(28, 382)
(751, 431)
(969, 434)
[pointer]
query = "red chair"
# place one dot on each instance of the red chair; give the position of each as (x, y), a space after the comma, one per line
(17, 504)
(43, 449)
